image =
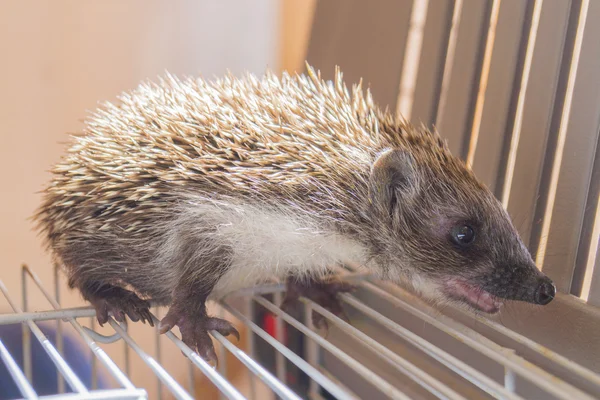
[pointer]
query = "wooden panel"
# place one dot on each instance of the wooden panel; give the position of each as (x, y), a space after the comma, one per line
(566, 325)
(454, 112)
(488, 135)
(433, 54)
(295, 25)
(576, 144)
(538, 100)
(366, 39)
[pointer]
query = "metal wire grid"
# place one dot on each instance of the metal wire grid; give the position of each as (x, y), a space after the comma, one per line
(515, 366)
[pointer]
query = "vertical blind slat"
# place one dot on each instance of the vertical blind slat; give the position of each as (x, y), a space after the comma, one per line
(593, 295)
(482, 70)
(454, 117)
(366, 41)
(447, 60)
(431, 66)
(586, 279)
(412, 58)
(574, 155)
(537, 112)
(488, 154)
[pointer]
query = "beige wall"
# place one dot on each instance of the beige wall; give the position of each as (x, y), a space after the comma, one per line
(59, 58)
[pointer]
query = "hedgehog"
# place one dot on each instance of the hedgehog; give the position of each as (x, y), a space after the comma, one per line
(188, 189)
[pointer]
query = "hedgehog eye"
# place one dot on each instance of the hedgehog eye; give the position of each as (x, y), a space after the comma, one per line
(462, 235)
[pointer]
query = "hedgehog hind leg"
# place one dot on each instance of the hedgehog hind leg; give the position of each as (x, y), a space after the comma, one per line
(112, 300)
(323, 292)
(189, 313)
(194, 328)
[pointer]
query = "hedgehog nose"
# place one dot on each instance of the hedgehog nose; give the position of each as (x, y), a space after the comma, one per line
(545, 292)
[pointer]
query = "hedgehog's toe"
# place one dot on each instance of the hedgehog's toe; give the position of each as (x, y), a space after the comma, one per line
(194, 328)
(118, 302)
(197, 338)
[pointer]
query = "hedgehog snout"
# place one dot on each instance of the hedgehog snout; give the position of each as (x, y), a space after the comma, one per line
(522, 283)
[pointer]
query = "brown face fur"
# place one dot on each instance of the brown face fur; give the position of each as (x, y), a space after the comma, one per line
(426, 206)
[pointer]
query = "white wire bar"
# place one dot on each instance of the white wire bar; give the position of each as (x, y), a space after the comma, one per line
(514, 366)
(471, 374)
(538, 348)
(50, 315)
(221, 383)
(158, 370)
(74, 382)
(107, 394)
(308, 369)
(427, 381)
(409, 302)
(16, 373)
(165, 378)
(222, 364)
(77, 312)
(524, 368)
(98, 352)
(379, 383)
(280, 366)
(277, 386)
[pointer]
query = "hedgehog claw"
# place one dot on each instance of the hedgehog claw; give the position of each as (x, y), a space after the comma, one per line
(194, 330)
(119, 302)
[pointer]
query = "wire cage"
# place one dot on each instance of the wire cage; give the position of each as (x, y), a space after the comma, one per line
(514, 87)
(385, 359)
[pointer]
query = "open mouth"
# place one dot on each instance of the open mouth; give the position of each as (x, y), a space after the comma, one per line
(473, 295)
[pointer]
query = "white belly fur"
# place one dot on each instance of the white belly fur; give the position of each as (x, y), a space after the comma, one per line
(271, 243)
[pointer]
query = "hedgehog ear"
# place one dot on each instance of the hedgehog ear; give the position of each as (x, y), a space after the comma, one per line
(392, 179)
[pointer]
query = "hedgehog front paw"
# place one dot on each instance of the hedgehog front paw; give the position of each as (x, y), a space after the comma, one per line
(118, 302)
(323, 293)
(194, 330)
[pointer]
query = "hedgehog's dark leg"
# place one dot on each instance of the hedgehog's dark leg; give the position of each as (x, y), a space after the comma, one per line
(109, 299)
(188, 312)
(323, 293)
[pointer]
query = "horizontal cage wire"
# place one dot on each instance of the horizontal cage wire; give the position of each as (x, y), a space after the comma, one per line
(505, 373)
